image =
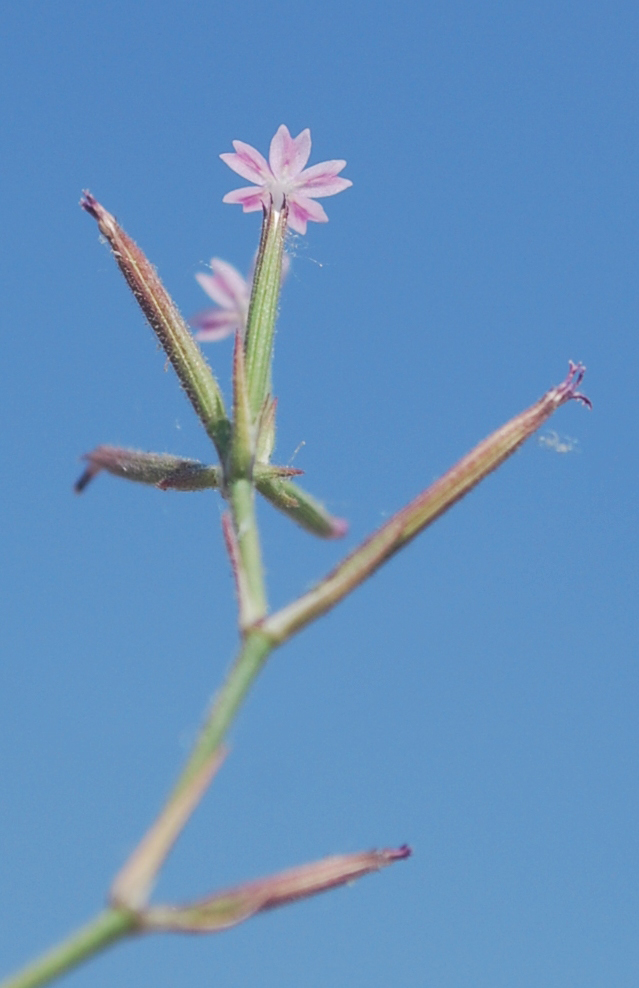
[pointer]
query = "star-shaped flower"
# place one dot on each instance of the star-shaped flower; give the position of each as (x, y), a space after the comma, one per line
(285, 177)
(232, 292)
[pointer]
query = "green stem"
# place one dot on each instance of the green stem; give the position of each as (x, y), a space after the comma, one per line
(263, 308)
(256, 648)
(242, 502)
(114, 924)
(105, 929)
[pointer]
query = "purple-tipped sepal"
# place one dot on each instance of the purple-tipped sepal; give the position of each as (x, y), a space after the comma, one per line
(569, 387)
(233, 906)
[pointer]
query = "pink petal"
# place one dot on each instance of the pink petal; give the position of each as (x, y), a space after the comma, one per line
(247, 162)
(322, 180)
(215, 336)
(301, 210)
(250, 198)
(288, 155)
(214, 289)
(214, 324)
(214, 318)
(230, 281)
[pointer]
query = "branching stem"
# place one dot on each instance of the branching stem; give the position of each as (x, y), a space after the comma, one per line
(260, 633)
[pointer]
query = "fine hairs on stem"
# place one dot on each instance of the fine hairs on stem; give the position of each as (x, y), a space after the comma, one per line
(243, 442)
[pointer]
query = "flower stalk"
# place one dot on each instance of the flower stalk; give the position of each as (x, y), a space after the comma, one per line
(241, 499)
(262, 314)
(242, 537)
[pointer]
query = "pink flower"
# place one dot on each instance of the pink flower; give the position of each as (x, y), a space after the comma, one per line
(284, 177)
(232, 292)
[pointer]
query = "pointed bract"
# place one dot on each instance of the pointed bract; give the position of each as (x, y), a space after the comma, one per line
(233, 906)
(194, 373)
(159, 469)
(300, 506)
(423, 510)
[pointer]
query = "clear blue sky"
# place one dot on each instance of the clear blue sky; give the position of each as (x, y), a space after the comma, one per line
(478, 698)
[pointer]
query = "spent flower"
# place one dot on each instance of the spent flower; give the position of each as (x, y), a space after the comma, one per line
(285, 177)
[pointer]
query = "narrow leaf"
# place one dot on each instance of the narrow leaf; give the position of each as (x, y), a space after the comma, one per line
(159, 469)
(236, 905)
(421, 512)
(166, 322)
(301, 507)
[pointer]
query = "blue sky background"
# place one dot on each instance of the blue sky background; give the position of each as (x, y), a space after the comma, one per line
(478, 698)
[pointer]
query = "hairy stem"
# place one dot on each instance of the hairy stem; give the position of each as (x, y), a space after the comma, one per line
(242, 502)
(263, 308)
(254, 652)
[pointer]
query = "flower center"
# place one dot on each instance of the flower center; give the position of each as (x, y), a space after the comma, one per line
(278, 190)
